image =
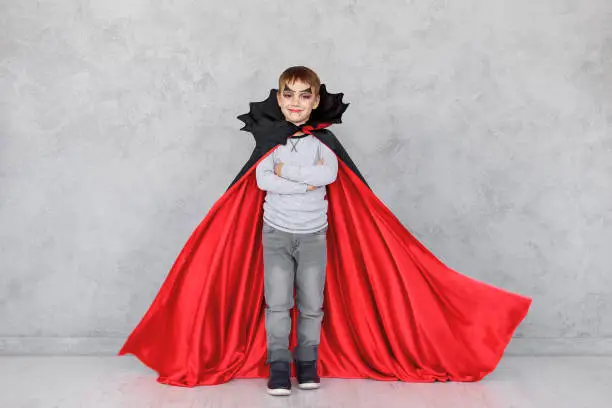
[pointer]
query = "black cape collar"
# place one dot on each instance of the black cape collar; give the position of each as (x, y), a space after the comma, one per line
(269, 127)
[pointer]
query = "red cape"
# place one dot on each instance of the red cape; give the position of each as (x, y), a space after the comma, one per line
(392, 310)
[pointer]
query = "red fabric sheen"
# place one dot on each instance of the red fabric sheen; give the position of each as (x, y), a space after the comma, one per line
(392, 310)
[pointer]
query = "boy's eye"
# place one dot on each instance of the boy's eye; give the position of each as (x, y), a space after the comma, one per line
(303, 96)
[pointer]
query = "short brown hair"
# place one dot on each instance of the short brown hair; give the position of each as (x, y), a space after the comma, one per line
(301, 73)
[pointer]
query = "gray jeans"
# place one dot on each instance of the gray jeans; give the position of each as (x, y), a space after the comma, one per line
(289, 258)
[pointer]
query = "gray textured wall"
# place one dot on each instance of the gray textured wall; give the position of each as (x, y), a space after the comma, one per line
(484, 125)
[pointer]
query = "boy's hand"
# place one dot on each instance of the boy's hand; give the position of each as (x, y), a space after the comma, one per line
(277, 169)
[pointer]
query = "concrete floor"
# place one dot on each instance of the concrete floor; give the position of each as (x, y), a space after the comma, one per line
(108, 382)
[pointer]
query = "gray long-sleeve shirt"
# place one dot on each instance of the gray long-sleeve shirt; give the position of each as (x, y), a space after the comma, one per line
(288, 205)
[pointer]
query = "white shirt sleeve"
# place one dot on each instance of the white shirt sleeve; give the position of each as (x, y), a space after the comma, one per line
(268, 181)
(315, 175)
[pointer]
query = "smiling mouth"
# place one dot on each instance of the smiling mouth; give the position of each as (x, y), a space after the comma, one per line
(294, 110)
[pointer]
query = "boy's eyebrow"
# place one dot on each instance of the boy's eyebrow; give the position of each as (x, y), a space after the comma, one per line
(308, 90)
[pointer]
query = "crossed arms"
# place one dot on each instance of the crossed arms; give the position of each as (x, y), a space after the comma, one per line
(294, 179)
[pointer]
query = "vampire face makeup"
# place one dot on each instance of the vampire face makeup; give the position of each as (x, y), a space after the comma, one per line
(296, 101)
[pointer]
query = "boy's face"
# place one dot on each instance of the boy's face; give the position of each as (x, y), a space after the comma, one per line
(296, 101)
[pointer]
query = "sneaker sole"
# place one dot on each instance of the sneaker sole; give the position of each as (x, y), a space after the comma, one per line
(279, 391)
(309, 386)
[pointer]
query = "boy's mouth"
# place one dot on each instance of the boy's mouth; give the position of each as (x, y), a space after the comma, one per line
(294, 110)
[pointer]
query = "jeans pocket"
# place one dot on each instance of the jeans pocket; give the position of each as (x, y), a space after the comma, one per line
(322, 231)
(268, 229)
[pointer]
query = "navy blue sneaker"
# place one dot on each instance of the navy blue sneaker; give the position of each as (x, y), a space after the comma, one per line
(307, 376)
(279, 382)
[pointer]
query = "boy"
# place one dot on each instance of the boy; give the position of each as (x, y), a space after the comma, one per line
(294, 177)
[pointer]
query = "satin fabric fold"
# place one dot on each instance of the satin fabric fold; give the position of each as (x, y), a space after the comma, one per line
(392, 310)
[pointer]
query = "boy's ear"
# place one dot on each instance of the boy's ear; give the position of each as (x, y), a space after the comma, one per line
(317, 102)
